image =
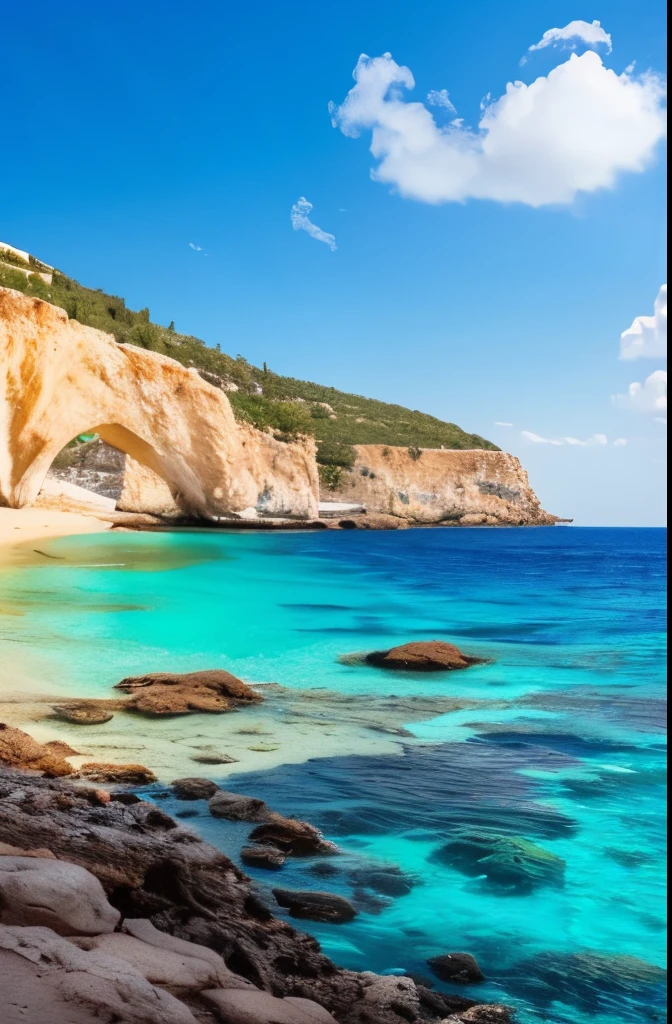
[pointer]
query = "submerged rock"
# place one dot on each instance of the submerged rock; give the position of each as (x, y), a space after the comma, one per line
(316, 906)
(592, 981)
(506, 861)
(121, 774)
(462, 968)
(423, 656)
(237, 807)
(194, 789)
(388, 880)
(19, 750)
(83, 712)
(263, 857)
(296, 838)
(170, 693)
(213, 759)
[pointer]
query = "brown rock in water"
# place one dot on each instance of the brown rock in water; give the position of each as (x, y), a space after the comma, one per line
(61, 748)
(19, 750)
(316, 906)
(237, 807)
(263, 857)
(213, 759)
(462, 968)
(83, 713)
(194, 789)
(423, 656)
(121, 774)
(168, 693)
(296, 838)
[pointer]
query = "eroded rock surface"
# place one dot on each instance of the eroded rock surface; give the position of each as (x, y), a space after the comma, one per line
(315, 906)
(61, 896)
(186, 454)
(172, 693)
(19, 750)
(474, 487)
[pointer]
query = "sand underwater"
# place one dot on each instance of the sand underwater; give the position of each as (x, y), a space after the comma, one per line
(559, 741)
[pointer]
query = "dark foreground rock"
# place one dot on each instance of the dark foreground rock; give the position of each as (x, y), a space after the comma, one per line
(462, 968)
(171, 693)
(316, 906)
(508, 862)
(196, 925)
(423, 656)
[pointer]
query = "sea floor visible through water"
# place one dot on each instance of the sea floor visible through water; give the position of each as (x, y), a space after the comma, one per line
(557, 743)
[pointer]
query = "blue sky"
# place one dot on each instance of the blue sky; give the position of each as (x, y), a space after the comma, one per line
(131, 131)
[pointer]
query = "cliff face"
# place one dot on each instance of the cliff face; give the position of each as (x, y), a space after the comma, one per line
(440, 485)
(59, 379)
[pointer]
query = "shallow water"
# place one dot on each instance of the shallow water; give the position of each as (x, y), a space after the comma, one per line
(561, 743)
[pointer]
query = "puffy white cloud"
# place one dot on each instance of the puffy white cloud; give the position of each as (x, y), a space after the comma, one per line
(301, 222)
(647, 337)
(572, 131)
(440, 99)
(649, 397)
(590, 33)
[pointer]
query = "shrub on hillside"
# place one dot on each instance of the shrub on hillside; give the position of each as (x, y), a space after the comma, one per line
(335, 453)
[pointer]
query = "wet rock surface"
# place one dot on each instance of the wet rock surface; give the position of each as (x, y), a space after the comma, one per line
(83, 713)
(315, 906)
(263, 857)
(169, 693)
(237, 807)
(295, 838)
(194, 789)
(423, 656)
(461, 968)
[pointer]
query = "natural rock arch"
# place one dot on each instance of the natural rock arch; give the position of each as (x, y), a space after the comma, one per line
(59, 378)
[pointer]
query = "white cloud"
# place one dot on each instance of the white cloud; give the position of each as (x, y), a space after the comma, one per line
(647, 338)
(301, 222)
(198, 248)
(536, 439)
(651, 396)
(590, 33)
(501, 423)
(440, 98)
(573, 131)
(595, 439)
(620, 442)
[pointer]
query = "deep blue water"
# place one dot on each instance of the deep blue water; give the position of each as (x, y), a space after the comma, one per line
(563, 744)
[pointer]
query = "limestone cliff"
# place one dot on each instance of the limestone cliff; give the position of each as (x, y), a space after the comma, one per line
(59, 379)
(439, 485)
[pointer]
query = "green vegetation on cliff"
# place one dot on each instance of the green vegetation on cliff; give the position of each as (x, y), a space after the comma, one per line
(259, 396)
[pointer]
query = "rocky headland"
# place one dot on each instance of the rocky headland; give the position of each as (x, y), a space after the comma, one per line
(168, 447)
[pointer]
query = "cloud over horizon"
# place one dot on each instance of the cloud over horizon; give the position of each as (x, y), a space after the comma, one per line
(573, 131)
(647, 337)
(599, 440)
(301, 222)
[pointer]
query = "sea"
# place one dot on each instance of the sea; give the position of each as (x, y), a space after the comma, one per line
(514, 810)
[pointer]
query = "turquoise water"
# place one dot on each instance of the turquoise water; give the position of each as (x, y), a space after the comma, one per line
(563, 743)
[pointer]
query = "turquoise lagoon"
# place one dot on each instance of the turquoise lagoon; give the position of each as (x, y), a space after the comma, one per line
(562, 741)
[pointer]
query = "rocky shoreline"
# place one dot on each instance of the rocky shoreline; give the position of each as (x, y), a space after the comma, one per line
(112, 911)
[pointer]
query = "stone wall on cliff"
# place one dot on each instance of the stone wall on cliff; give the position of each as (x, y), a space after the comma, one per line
(437, 485)
(59, 379)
